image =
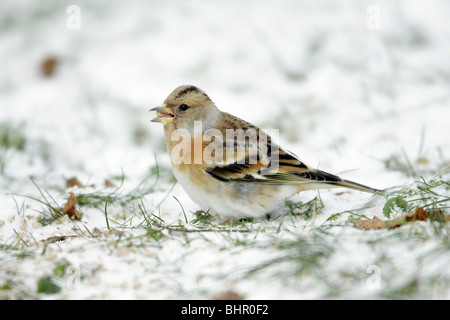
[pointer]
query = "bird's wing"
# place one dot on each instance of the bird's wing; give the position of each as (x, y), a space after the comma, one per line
(250, 161)
(258, 159)
(248, 154)
(273, 166)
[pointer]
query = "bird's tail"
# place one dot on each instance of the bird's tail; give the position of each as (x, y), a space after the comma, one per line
(331, 180)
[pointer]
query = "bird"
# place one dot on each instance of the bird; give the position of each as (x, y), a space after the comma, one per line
(228, 166)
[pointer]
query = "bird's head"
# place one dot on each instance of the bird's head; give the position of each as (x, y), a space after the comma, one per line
(185, 105)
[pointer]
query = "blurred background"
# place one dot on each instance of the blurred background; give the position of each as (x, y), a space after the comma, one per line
(357, 88)
(355, 80)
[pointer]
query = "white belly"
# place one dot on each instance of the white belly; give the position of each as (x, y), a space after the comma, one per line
(251, 204)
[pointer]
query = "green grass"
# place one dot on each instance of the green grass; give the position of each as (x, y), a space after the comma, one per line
(304, 254)
(286, 257)
(307, 209)
(12, 139)
(312, 252)
(47, 285)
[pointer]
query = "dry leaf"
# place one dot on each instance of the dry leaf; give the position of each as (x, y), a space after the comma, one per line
(229, 222)
(418, 214)
(70, 207)
(414, 215)
(370, 224)
(72, 182)
(108, 184)
(48, 66)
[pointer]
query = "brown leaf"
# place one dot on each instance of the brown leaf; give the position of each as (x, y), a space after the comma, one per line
(370, 224)
(418, 214)
(229, 222)
(70, 207)
(72, 182)
(108, 183)
(48, 66)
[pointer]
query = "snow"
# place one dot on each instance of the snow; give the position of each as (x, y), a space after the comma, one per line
(347, 98)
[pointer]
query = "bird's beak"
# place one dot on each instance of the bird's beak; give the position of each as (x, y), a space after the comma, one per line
(164, 113)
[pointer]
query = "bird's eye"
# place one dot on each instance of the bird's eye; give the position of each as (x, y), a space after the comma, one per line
(183, 107)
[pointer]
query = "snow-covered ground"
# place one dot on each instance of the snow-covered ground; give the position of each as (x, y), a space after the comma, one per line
(357, 88)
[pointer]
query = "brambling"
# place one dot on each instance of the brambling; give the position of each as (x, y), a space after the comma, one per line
(229, 166)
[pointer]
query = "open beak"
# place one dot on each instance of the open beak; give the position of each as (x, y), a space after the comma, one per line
(164, 113)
